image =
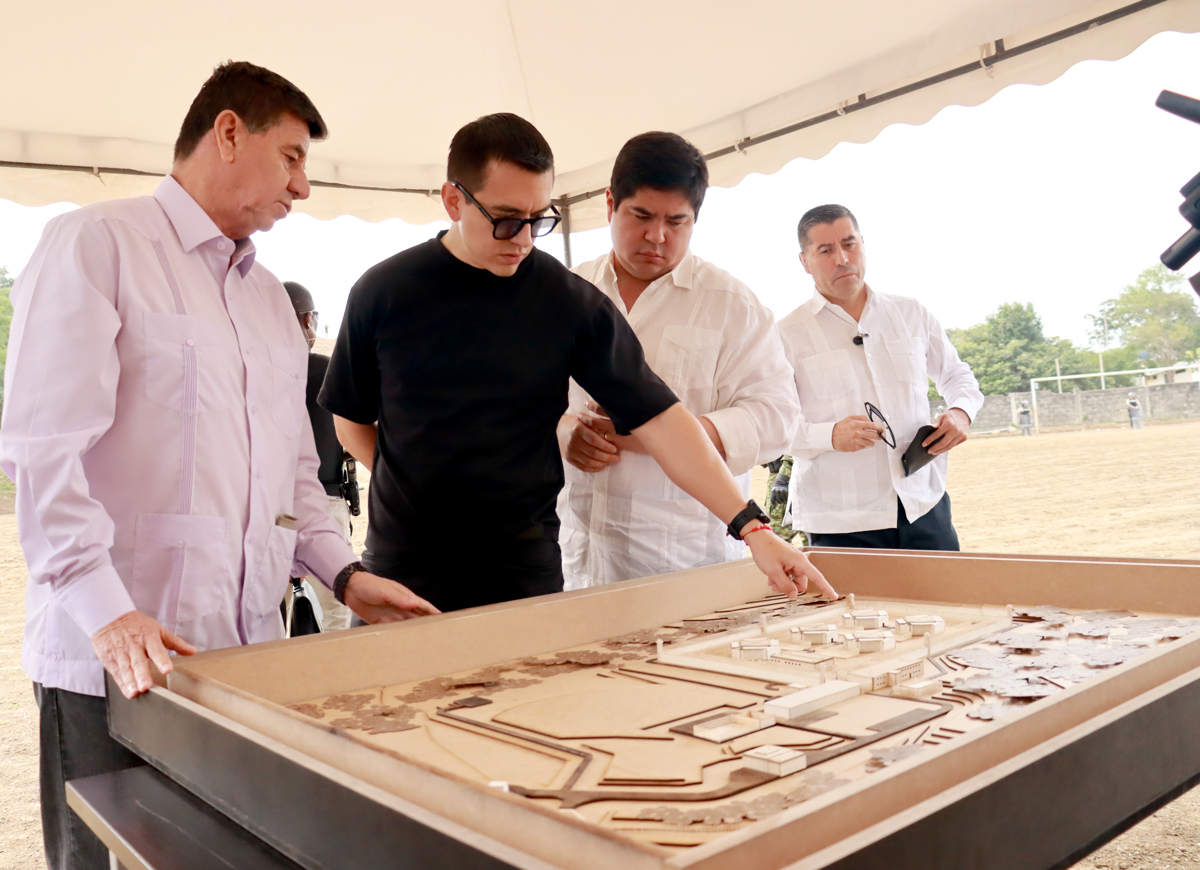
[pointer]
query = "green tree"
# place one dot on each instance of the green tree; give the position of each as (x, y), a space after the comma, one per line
(1009, 348)
(1154, 315)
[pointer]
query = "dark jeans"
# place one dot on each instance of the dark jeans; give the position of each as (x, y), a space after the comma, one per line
(74, 744)
(934, 531)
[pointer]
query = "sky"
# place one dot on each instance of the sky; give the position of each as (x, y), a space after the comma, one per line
(1057, 195)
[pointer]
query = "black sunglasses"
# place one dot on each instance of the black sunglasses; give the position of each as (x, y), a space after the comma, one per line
(510, 228)
(876, 416)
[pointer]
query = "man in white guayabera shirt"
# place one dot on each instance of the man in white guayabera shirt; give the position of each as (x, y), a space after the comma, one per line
(863, 361)
(708, 337)
(155, 427)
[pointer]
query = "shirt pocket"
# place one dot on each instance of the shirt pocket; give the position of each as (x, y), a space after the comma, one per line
(668, 534)
(289, 380)
(190, 365)
(687, 360)
(826, 376)
(907, 356)
(181, 567)
(262, 598)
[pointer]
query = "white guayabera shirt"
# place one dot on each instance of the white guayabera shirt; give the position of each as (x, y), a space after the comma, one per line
(903, 347)
(710, 339)
(155, 427)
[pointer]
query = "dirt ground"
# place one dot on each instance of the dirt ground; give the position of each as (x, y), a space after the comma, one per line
(1091, 492)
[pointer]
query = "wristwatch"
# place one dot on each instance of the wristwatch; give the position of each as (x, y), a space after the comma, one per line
(343, 577)
(751, 512)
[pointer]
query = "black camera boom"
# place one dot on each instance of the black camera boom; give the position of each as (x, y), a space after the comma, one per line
(1187, 245)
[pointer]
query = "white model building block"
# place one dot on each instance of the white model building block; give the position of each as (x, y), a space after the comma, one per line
(778, 760)
(926, 623)
(812, 698)
(875, 641)
(755, 649)
(867, 619)
(918, 688)
(806, 659)
(722, 728)
(904, 673)
(819, 635)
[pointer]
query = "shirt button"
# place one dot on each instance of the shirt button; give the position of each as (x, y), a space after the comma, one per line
(179, 544)
(53, 657)
(868, 356)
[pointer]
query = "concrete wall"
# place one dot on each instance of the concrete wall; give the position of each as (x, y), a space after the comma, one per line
(1076, 408)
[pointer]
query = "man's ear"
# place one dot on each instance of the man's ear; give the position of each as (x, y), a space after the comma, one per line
(452, 201)
(804, 263)
(229, 131)
(608, 199)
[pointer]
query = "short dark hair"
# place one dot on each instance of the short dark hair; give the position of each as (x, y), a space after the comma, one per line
(660, 161)
(502, 136)
(823, 214)
(256, 95)
(302, 300)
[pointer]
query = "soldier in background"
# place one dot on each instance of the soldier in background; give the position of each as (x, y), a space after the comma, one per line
(779, 475)
(334, 615)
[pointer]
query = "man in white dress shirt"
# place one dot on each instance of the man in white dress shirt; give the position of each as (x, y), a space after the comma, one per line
(851, 346)
(714, 344)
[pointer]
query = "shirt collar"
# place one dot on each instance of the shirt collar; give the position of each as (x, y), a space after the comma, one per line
(681, 276)
(194, 227)
(819, 302)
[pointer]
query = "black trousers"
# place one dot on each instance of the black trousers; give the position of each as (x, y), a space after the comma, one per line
(504, 571)
(74, 743)
(934, 531)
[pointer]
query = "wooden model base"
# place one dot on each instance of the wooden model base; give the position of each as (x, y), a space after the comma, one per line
(688, 721)
(680, 735)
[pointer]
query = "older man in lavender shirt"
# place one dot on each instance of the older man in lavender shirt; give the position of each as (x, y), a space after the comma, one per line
(156, 429)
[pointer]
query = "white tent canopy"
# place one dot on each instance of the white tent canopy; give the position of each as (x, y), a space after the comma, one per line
(93, 96)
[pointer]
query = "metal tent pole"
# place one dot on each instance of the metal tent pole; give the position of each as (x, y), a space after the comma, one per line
(566, 234)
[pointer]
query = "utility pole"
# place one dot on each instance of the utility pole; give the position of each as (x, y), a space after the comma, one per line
(1058, 374)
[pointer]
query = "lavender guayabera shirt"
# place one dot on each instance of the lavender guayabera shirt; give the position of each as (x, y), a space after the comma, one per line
(155, 426)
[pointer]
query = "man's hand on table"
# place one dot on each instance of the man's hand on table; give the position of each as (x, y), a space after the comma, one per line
(127, 646)
(952, 430)
(787, 569)
(377, 599)
(855, 433)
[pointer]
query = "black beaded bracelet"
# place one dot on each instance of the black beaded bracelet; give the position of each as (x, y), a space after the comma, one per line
(343, 577)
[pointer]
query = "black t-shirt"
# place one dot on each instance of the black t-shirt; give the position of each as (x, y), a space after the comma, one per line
(466, 374)
(329, 450)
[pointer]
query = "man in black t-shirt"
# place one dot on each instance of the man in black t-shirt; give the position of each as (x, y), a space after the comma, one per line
(454, 359)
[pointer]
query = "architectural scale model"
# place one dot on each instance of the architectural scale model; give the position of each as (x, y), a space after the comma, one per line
(681, 734)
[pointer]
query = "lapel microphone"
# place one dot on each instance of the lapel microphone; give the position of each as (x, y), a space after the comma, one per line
(858, 339)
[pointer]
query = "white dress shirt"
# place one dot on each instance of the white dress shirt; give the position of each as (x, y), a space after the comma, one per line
(903, 347)
(155, 427)
(710, 339)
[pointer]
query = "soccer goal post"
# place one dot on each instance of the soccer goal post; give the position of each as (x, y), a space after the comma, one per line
(1033, 382)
